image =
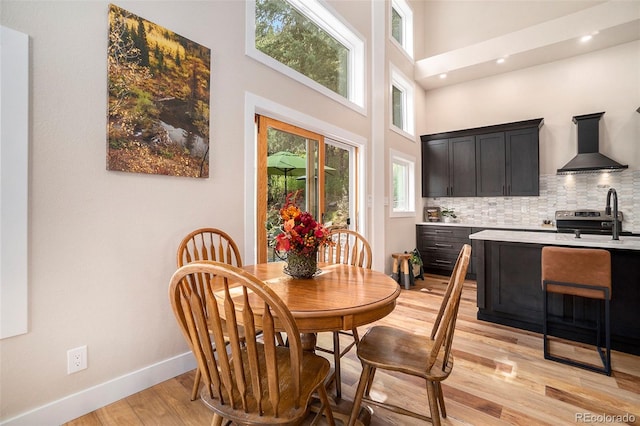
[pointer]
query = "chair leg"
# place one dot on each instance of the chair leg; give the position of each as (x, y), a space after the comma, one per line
(356, 337)
(443, 410)
(336, 363)
(196, 385)
(217, 420)
(433, 403)
(370, 382)
(357, 399)
(324, 401)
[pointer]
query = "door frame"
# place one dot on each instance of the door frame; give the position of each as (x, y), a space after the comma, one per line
(263, 123)
(255, 104)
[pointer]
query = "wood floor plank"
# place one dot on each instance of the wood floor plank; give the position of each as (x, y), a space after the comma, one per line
(500, 377)
(90, 419)
(118, 413)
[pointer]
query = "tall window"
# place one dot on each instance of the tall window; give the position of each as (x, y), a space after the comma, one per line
(402, 184)
(402, 103)
(402, 25)
(306, 41)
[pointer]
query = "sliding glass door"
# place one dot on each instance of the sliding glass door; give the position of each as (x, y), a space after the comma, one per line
(289, 160)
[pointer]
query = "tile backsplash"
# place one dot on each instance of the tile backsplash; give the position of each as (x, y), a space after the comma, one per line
(557, 192)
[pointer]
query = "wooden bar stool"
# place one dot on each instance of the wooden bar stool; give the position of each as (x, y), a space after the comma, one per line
(584, 273)
(402, 269)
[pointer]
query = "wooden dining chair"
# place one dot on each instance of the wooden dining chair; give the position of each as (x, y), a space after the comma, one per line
(255, 381)
(401, 351)
(206, 244)
(351, 248)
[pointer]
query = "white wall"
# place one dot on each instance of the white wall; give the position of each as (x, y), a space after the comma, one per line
(102, 244)
(607, 80)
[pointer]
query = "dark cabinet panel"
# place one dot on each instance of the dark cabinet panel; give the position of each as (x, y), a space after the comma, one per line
(515, 280)
(490, 165)
(462, 167)
(435, 168)
(522, 154)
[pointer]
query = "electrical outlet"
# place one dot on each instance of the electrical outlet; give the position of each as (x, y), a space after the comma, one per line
(76, 359)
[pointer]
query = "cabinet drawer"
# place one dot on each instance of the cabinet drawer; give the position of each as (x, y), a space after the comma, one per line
(440, 262)
(453, 246)
(440, 232)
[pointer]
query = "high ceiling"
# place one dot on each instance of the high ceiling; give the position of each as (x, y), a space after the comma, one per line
(548, 32)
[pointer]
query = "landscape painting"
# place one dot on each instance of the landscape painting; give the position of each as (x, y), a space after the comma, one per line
(159, 87)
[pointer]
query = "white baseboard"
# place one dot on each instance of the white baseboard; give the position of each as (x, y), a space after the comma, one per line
(88, 400)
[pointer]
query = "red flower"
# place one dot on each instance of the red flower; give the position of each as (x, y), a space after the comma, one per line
(300, 231)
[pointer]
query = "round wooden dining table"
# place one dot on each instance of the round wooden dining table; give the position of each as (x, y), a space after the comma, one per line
(338, 297)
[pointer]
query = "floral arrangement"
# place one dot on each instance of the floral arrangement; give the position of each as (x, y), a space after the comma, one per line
(300, 231)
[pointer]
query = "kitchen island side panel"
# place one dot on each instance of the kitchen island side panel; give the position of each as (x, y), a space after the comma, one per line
(510, 293)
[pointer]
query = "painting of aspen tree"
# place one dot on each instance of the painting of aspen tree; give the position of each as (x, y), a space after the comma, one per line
(158, 119)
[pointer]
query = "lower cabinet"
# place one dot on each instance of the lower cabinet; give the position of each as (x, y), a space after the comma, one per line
(510, 293)
(439, 247)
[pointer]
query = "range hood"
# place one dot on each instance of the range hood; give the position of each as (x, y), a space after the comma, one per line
(589, 159)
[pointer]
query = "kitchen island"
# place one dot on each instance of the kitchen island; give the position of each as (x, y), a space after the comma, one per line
(508, 273)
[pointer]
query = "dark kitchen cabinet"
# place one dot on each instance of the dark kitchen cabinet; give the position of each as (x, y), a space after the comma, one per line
(439, 247)
(507, 163)
(490, 165)
(499, 160)
(523, 165)
(509, 292)
(449, 167)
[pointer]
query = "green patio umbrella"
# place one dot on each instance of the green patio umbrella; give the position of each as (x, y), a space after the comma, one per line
(286, 164)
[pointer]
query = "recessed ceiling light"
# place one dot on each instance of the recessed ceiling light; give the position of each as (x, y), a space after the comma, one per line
(443, 75)
(586, 38)
(500, 61)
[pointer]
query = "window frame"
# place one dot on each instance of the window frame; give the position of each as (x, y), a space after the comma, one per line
(407, 88)
(329, 21)
(409, 162)
(403, 9)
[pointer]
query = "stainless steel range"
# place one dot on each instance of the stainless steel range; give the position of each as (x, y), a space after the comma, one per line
(587, 221)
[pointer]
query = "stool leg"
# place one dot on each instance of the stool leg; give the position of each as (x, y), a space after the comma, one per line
(395, 270)
(405, 274)
(545, 343)
(607, 331)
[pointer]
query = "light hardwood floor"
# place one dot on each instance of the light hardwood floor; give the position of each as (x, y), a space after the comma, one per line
(499, 378)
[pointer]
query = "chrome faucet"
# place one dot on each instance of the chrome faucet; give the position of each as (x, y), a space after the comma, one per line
(615, 227)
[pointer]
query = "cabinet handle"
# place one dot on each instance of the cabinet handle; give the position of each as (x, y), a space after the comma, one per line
(447, 191)
(446, 262)
(438, 231)
(503, 193)
(509, 189)
(443, 245)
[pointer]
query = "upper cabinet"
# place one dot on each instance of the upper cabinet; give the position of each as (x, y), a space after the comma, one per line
(492, 161)
(448, 167)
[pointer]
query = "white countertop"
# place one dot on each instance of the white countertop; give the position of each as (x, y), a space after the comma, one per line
(549, 228)
(555, 239)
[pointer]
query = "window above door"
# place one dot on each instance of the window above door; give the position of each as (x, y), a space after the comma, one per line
(309, 43)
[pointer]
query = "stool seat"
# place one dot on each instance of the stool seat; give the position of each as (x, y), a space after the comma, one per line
(583, 273)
